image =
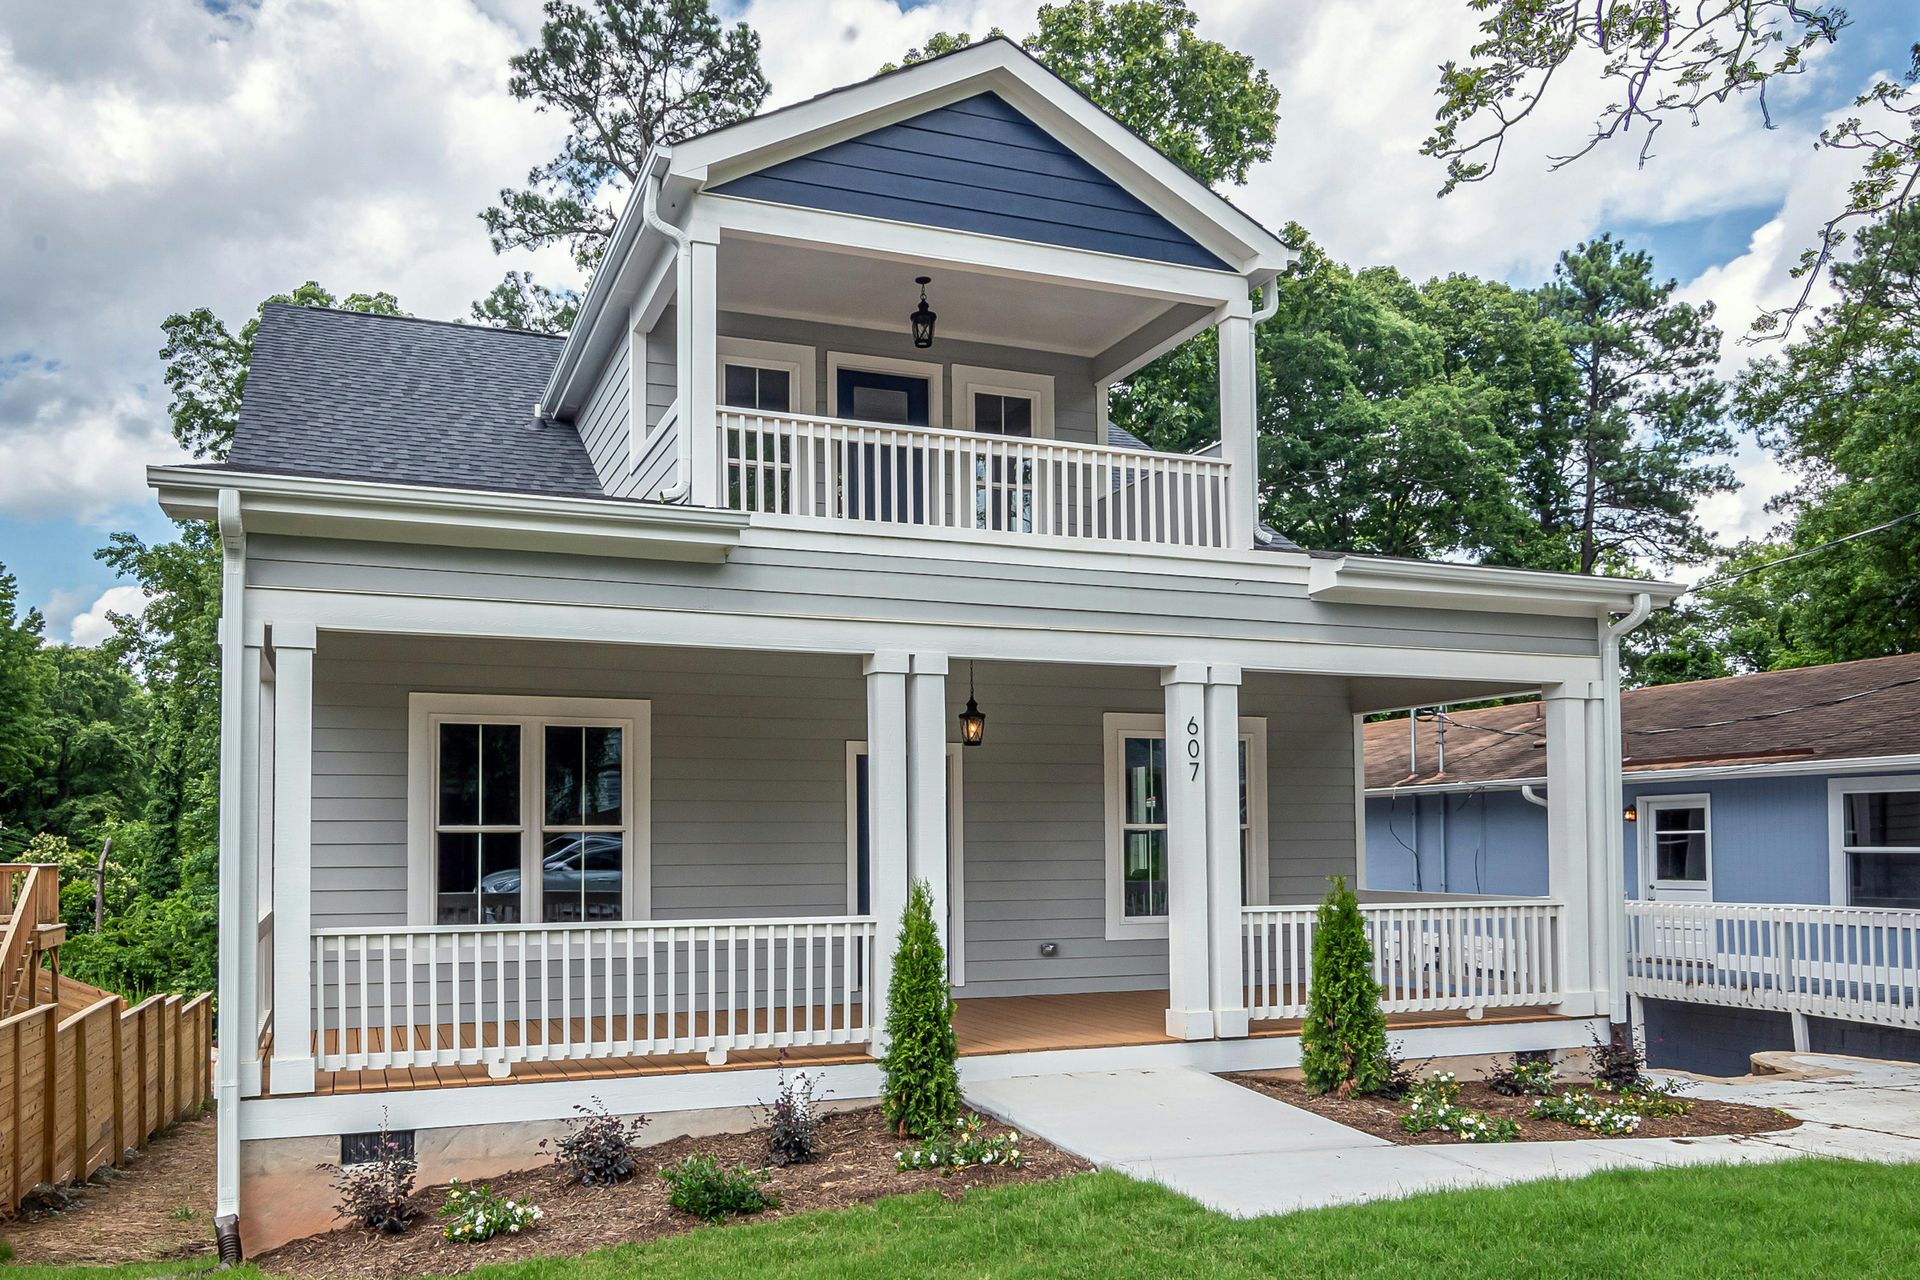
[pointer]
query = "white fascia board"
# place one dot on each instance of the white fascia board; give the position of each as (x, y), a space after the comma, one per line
(1004, 68)
(857, 234)
(1632, 777)
(429, 516)
(1432, 585)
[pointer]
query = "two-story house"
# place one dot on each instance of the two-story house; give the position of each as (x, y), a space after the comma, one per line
(589, 704)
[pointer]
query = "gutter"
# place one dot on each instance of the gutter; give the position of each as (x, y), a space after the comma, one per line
(1613, 846)
(650, 215)
(226, 1070)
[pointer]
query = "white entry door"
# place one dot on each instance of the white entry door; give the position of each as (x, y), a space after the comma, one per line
(1676, 859)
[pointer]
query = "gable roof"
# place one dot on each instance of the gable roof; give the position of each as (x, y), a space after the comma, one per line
(1843, 711)
(979, 164)
(394, 399)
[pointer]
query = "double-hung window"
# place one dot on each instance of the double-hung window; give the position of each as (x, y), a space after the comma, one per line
(1878, 859)
(527, 810)
(1138, 853)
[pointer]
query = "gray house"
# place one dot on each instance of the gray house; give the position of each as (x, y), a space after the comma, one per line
(589, 703)
(1771, 838)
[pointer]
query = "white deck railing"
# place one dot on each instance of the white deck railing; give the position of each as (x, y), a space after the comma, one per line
(828, 469)
(449, 996)
(1857, 964)
(1427, 956)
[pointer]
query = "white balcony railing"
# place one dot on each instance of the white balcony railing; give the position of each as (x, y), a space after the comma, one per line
(450, 996)
(1857, 964)
(1427, 957)
(828, 469)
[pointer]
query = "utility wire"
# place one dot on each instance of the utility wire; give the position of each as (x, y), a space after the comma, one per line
(1799, 555)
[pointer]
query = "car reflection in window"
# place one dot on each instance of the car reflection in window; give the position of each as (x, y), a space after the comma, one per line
(580, 875)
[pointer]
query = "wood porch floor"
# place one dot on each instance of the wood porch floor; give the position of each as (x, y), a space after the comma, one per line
(1007, 1024)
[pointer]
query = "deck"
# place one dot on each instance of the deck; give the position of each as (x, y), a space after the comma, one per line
(999, 1025)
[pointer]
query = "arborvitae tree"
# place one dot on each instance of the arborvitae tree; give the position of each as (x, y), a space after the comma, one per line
(920, 1075)
(1343, 1046)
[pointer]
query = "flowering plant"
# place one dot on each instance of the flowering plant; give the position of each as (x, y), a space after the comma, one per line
(965, 1148)
(476, 1213)
(1586, 1110)
(1433, 1105)
(1522, 1079)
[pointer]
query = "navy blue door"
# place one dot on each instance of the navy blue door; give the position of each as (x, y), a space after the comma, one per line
(883, 481)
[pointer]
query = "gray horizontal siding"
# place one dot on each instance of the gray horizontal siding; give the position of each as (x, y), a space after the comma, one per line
(976, 165)
(603, 420)
(767, 581)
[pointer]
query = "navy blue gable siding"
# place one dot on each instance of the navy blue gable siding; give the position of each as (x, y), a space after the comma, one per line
(977, 165)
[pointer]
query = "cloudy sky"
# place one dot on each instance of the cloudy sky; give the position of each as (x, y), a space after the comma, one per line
(163, 154)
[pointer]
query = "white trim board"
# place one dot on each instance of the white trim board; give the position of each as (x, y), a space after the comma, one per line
(1035, 387)
(1644, 831)
(796, 359)
(1837, 791)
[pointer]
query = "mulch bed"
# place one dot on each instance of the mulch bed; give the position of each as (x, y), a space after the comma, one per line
(1381, 1118)
(157, 1206)
(855, 1166)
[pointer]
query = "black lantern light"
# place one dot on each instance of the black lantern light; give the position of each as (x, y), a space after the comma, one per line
(923, 317)
(973, 721)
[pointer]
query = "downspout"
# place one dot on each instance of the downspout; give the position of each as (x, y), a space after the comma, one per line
(1615, 850)
(226, 1073)
(682, 443)
(1531, 796)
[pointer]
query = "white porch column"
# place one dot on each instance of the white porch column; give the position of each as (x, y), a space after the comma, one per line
(886, 823)
(1239, 433)
(1222, 773)
(233, 919)
(1189, 994)
(256, 801)
(927, 785)
(292, 1067)
(696, 319)
(1568, 833)
(1602, 906)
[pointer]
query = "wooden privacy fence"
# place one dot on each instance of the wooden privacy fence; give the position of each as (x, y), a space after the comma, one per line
(79, 1088)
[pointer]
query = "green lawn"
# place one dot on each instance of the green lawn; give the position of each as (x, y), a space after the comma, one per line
(1824, 1218)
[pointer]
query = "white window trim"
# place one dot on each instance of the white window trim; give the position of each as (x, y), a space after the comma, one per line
(934, 374)
(1645, 806)
(1838, 789)
(956, 853)
(1117, 726)
(795, 359)
(425, 712)
(1037, 387)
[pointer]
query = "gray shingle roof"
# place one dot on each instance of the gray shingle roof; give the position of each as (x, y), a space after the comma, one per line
(389, 398)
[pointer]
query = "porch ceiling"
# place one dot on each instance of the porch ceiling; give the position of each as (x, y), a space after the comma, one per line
(764, 277)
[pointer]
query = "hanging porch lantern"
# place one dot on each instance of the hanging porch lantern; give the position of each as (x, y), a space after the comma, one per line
(923, 316)
(973, 721)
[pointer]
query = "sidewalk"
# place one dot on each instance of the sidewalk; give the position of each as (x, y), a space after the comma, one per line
(1246, 1154)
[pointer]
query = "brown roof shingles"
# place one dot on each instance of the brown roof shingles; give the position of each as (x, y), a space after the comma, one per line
(1846, 710)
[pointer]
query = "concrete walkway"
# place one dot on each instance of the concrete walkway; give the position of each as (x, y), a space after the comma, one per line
(1246, 1154)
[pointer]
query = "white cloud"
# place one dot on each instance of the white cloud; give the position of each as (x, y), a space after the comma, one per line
(92, 625)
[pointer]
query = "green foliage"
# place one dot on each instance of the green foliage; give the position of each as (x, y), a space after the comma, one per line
(966, 1147)
(626, 75)
(477, 1212)
(1522, 1077)
(1207, 107)
(23, 675)
(90, 779)
(1433, 1106)
(1343, 1041)
(1587, 1109)
(701, 1186)
(920, 1077)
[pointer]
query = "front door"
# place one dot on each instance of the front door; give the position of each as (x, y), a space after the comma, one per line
(1676, 859)
(883, 481)
(860, 888)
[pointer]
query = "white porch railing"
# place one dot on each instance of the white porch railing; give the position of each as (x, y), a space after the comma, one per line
(828, 469)
(1857, 964)
(448, 996)
(1427, 957)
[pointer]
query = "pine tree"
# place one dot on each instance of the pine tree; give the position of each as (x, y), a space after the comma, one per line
(920, 1086)
(1343, 1044)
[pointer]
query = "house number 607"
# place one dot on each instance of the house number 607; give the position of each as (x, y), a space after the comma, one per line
(1193, 747)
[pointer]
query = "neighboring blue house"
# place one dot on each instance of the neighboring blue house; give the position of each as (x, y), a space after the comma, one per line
(1787, 787)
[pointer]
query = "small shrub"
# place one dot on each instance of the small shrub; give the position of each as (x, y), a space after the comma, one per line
(1654, 1098)
(1584, 1109)
(1397, 1075)
(377, 1193)
(1343, 1042)
(920, 1075)
(598, 1149)
(1521, 1078)
(793, 1119)
(478, 1212)
(966, 1147)
(1433, 1105)
(1616, 1064)
(700, 1186)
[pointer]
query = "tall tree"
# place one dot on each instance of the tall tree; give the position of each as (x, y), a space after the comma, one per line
(207, 364)
(1646, 426)
(23, 737)
(1208, 107)
(626, 74)
(92, 773)
(1666, 61)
